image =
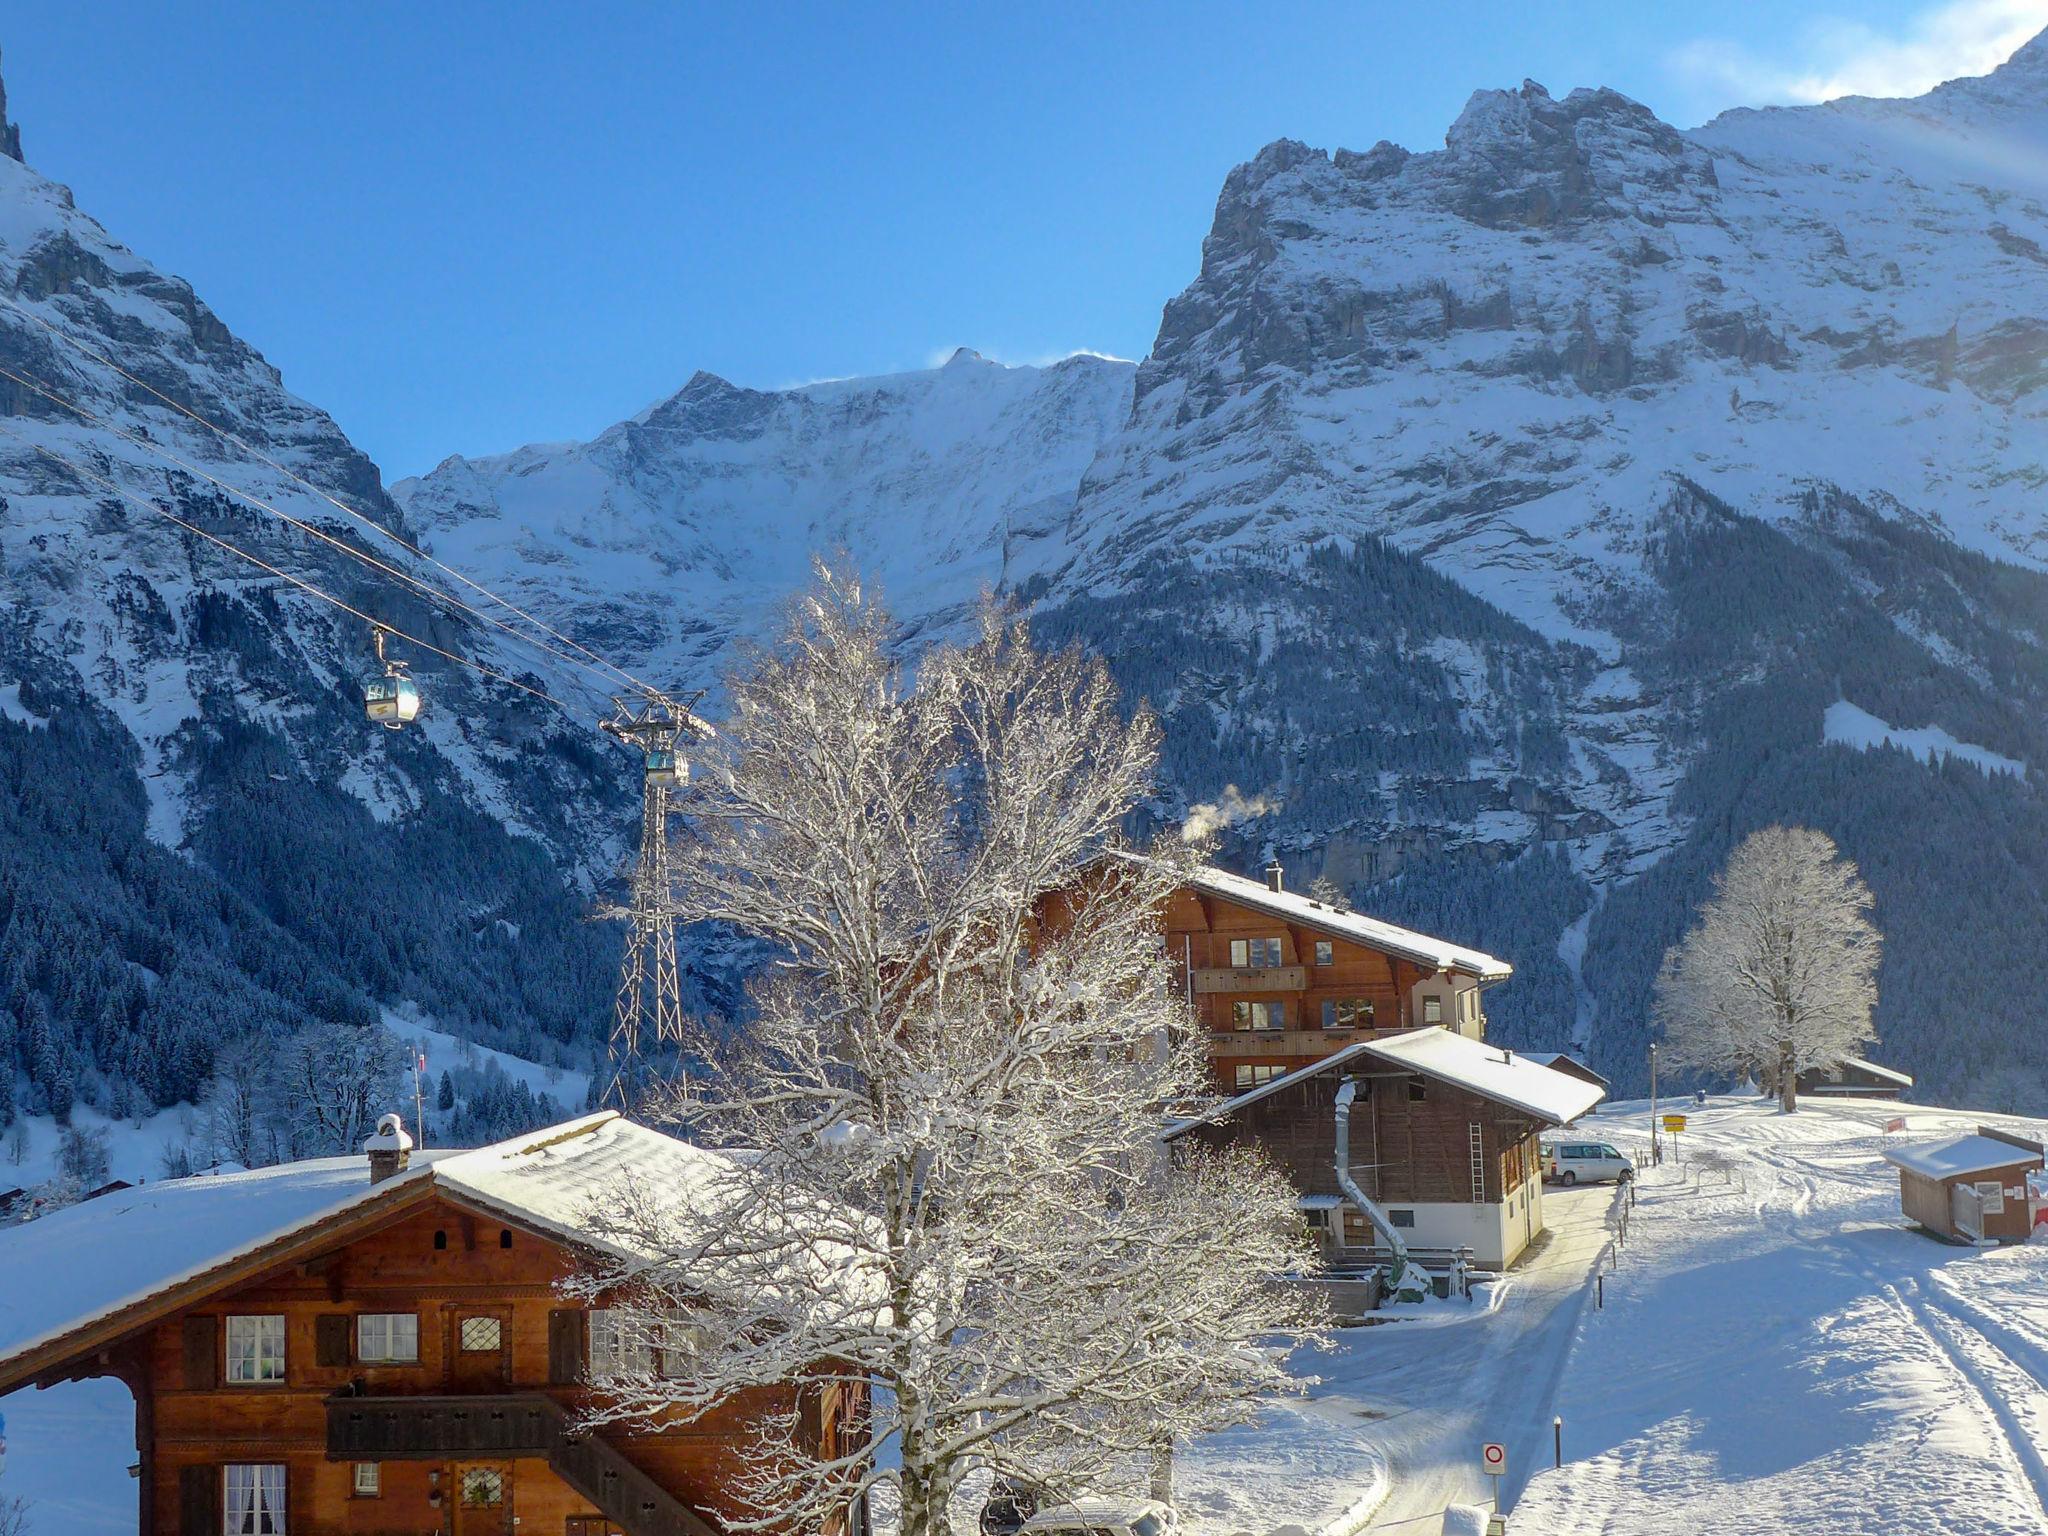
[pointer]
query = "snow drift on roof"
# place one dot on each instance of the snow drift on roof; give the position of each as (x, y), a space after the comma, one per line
(1890, 1074)
(71, 1266)
(1519, 1082)
(1959, 1155)
(1492, 1073)
(77, 1266)
(1435, 954)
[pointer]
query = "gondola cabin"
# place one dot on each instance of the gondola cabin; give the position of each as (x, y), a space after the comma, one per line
(667, 769)
(392, 702)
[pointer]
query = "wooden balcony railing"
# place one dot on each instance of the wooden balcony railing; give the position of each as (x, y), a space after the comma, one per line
(1257, 978)
(1280, 1042)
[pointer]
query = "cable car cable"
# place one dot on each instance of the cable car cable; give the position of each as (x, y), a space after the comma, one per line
(332, 500)
(298, 581)
(425, 588)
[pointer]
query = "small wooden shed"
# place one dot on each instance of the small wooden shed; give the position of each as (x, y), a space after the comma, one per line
(1969, 1188)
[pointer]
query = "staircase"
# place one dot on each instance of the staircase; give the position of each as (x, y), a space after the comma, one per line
(509, 1424)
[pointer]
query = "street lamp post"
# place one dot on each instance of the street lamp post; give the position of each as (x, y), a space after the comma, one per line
(1656, 1142)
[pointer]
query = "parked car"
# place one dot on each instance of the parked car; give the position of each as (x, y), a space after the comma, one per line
(1009, 1504)
(1585, 1162)
(1105, 1517)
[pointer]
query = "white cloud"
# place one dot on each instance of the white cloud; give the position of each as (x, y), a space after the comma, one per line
(1838, 57)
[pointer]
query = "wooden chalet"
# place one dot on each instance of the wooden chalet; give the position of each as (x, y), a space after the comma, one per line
(1854, 1078)
(1281, 980)
(1444, 1137)
(342, 1346)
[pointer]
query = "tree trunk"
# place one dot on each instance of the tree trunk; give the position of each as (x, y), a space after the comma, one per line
(1788, 1079)
(1162, 1472)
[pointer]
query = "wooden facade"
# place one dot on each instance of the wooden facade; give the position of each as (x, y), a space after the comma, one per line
(1418, 1146)
(1995, 1193)
(1276, 994)
(473, 1435)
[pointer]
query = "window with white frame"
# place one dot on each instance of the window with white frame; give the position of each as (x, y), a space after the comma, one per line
(388, 1338)
(663, 1344)
(1326, 952)
(1432, 1010)
(369, 1483)
(481, 1335)
(1258, 1015)
(256, 1350)
(1248, 954)
(254, 1501)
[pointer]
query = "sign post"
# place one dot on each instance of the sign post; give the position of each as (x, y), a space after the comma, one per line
(1673, 1124)
(1493, 1461)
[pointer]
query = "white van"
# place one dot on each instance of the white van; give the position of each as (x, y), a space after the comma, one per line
(1585, 1162)
(1104, 1517)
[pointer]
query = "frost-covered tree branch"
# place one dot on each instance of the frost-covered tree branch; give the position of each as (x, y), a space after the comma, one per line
(1784, 950)
(948, 1097)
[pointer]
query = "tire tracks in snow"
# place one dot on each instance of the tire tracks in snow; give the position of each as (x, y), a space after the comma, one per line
(1965, 1346)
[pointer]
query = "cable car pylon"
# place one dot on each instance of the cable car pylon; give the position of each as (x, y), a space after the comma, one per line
(649, 1005)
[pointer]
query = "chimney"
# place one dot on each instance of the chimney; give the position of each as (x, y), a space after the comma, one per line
(1276, 877)
(390, 1149)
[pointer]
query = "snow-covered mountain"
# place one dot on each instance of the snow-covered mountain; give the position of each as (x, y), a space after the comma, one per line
(1510, 514)
(672, 532)
(200, 834)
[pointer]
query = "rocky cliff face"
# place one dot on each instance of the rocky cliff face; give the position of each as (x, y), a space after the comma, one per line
(1508, 516)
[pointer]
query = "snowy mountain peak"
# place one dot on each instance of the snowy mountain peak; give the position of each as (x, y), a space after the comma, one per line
(10, 133)
(967, 357)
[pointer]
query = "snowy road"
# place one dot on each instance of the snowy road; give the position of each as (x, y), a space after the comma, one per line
(1435, 1395)
(1780, 1354)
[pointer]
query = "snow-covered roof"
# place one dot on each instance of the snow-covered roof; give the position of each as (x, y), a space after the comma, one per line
(1554, 1058)
(91, 1262)
(1890, 1074)
(1341, 922)
(1434, 1052)
(1492, 1072)
(1957, 1156)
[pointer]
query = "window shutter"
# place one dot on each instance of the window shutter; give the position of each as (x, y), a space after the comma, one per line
(330, 1339)
(566, 1335)
(198, 1501)
(202, 1352)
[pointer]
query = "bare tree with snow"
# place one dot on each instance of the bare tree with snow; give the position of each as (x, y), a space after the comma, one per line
(952, 1191)
(1785, 950)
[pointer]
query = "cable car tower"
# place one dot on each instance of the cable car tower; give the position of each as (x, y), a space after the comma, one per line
(649, 1005)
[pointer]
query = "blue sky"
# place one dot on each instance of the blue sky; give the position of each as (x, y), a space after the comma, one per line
(462, 226)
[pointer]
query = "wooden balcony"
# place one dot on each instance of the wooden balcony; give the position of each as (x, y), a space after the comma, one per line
(504, 1425)
(435, 1428)
(1256, 978)
(1234, 1043)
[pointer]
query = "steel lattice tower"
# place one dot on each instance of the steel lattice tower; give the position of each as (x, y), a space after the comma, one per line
(648, 1008)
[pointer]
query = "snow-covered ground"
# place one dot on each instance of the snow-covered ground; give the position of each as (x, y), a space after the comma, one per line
(1781, 1353)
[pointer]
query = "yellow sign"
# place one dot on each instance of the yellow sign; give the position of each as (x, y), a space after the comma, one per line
(1674, 1123)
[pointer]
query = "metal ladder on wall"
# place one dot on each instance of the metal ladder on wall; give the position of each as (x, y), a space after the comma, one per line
(1478, 1162)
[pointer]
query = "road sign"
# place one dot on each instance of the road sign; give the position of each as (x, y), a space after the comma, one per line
(1674, 1123)
(1493, 1458)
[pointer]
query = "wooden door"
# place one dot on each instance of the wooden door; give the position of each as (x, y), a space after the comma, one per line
(483, 1499)
(479, 1350)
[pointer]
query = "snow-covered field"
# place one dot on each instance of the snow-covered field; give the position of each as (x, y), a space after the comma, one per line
(1781, 1353)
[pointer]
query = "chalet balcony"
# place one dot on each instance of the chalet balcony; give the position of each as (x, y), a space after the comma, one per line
(1280, 1042)
(1253, 978)
(434, 1428)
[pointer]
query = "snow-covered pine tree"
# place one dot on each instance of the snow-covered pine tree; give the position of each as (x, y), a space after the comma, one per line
(1784, 950)
(952, 1192)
